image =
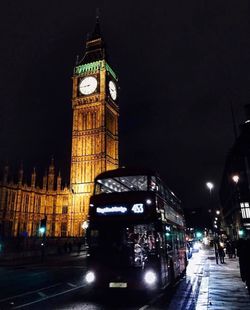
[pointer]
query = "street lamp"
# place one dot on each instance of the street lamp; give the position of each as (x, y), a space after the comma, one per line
(235, 178)
(85, 225)
(210, 186)
(214, 224)
(236, 204)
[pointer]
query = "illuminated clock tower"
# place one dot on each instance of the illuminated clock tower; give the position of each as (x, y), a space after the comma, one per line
(95, 126)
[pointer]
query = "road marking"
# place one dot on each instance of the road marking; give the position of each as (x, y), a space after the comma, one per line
(71, 284)
(49, 297)
(202, 301)
(42, 294)
(152, 301)
(30, 292)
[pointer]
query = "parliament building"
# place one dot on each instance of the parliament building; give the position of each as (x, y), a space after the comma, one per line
(94, 150)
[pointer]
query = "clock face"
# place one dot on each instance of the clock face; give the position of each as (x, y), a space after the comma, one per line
(112, 90)
(88, 85)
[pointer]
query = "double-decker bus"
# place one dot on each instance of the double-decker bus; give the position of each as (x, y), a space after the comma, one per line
(136, 232)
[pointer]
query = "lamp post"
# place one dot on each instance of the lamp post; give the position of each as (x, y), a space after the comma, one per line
(85, 225)
(210, 186)
(237, 217)
(235, 178)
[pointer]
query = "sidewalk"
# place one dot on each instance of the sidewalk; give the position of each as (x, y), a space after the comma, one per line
(221, 286)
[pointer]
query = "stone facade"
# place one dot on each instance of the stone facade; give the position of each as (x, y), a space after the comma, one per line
(94, 150)
(23, 206)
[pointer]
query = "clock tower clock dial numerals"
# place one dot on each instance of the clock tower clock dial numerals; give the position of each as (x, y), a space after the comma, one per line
(112, 90)
(88, 85)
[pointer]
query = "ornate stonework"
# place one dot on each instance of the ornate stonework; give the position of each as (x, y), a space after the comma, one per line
(94, 150)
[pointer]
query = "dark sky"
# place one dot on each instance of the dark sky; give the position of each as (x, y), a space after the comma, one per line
(180, 66)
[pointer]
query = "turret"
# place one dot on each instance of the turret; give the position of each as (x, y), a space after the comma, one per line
(33, 178)
(45, 180)
(20, 175)
(51, 175)
(59, 182)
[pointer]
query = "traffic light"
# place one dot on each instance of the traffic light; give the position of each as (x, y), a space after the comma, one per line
(198, 234)
(42, 228)
(241, 233)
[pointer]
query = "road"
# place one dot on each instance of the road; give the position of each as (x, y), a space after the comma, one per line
(59, 284)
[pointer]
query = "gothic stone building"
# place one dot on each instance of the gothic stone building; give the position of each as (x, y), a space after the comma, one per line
(94, 150)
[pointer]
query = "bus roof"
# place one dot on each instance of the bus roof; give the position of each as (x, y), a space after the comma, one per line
(126, 172)
(133, 171)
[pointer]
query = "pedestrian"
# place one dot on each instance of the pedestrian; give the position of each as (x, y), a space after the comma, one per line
(221, 254)
(216, 245)
(233, 249)
(241, 253)
(229, 249)
(247, 261)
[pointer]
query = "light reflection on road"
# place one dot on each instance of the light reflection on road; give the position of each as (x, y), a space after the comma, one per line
(186, 295)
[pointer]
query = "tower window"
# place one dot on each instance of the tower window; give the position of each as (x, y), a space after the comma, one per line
(245, 210)
(64, 210)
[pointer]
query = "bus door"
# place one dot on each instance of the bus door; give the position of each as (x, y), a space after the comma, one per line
(176, 251)
(170, 252)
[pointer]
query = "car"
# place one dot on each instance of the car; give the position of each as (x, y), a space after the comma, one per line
(196, 246)
(193, 246)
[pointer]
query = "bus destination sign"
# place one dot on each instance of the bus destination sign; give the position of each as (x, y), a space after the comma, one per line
(136, 208)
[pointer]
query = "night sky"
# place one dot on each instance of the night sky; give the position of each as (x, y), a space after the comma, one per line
(180, 65)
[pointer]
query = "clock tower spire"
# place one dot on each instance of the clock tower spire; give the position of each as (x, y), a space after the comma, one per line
(95, 48)
(95, 125)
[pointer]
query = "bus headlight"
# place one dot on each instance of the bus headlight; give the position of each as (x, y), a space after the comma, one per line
(90, 277)
(150, 277)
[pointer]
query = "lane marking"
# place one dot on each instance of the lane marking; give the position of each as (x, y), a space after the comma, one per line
(152, 301)
(71, 284)
(202, 300)
(49, 297)
(42, 294)
(30, 292)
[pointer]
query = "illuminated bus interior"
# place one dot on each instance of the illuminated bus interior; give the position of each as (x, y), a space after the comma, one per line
(135, 183)
(135, 245)
(121, 184)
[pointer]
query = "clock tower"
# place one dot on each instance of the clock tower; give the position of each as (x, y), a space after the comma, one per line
(95, 126)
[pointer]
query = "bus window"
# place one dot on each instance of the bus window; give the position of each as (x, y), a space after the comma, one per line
(146, 243)
(181, 239)
(121, 184)
(168, 241)
(152, 184)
